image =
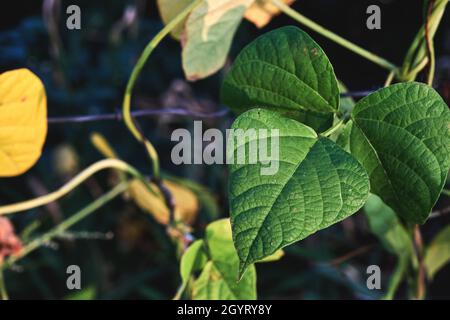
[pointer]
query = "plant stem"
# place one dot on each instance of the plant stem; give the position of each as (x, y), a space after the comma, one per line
(62, 227)
(334, 37)
(430, 45)
(72, 184)
(396, 277)
(389, 79)
(416, 57)
(333, 129)
(126, 108)
(3, 291)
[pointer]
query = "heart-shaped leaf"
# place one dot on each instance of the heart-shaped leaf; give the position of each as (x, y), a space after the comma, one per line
(285, 71)
(317, 185)
(23, 121)
(209, 32)
(401, 135)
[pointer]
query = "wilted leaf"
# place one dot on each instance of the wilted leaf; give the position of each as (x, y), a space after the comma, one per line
(217, 280)
(209, 31)
(317, 185)
(205, 197)
(285, 71)
(169, 9)
(401, 135)
(262, 11)
(438, 252)
(185, 201)
(23, 121)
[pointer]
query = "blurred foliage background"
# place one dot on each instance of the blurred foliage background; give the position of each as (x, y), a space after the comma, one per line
(85, 72)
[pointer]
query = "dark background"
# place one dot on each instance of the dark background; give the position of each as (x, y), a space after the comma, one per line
(140, 262)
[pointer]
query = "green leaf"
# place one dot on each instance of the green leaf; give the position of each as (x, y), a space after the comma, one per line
(169, 9)
(285, 71)
(317, 185)
(210, 29)
(385, 224)
(218, 279)
(343, 139)
(438, 252)
(194, 259)
(88, 293)
(346, 104)
(401, 135)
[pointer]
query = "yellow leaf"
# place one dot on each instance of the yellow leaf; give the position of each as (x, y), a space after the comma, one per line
(185, 202)
(208, 35)
(23, 121)
(102, 145)
(262, 11)
(169, 9)
(273, 257)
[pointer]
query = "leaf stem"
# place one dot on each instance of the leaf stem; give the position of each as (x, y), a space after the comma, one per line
(416, 57)
(66, 224)
(389, 79)
(430, 45)
(334, 37)
(72, 184)
(334, 128)
(126, 107)
(3, 291)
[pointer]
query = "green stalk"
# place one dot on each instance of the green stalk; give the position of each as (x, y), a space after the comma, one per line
(389, 79)
(3, 292)
(126, 107)
(416, 57)
(334, 37)
(72, 184)
(397, 277)
(63, 226)
(333, 129)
